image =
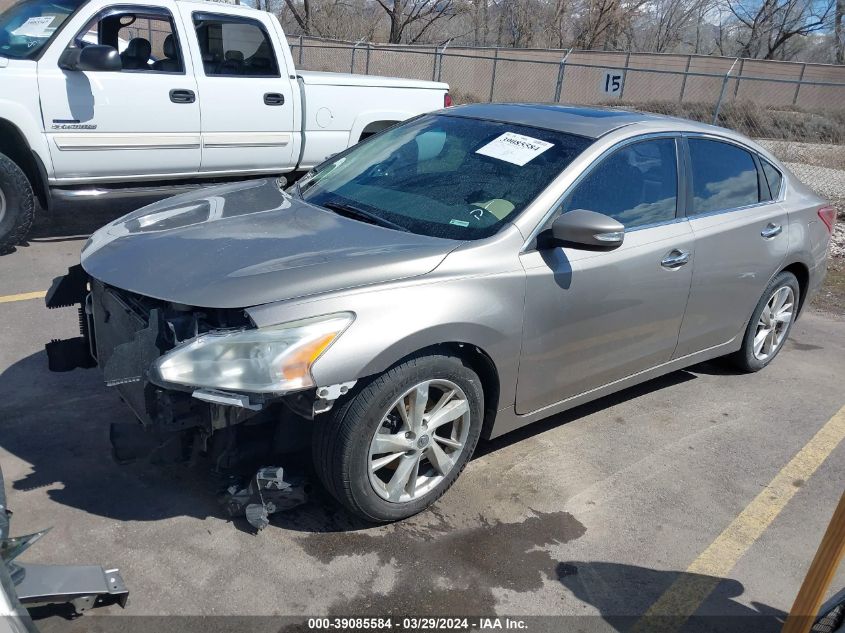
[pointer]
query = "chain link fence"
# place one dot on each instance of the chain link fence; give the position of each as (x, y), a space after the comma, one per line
(796, 110)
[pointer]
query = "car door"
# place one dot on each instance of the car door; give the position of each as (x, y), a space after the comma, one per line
(247, 95)
(594, 317)
(140, 122)
(740, 241)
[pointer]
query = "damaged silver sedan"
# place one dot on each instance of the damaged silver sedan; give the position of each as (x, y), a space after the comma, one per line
(455, 277)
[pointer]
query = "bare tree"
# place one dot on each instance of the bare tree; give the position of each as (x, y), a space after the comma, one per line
(768, 26)
(604, 23)
(301, 15)
(416, 15)
(839, 31)
(668, 21)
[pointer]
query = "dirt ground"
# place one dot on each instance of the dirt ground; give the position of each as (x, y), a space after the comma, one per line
(831, 298)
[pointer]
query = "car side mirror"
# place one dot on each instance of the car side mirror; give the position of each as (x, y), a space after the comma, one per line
(587, 229)
(97, 57)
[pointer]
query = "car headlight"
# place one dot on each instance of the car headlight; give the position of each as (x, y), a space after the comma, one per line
(264, 360)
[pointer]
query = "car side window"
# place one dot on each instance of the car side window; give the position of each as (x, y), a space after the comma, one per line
(637, 185)
(773, 177)
(724, 176)
(234, 47)
(145, 37)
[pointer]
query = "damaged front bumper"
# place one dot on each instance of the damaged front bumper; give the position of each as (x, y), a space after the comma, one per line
(125, 335)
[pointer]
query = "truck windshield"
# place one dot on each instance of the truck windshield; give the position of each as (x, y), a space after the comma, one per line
(27, 27)
(444, 176)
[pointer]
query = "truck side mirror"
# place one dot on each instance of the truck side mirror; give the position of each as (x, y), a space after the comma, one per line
(97, 57)
(587, 229)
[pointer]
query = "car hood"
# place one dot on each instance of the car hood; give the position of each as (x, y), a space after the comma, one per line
(249, 243)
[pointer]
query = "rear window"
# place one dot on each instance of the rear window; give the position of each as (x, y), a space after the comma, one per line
(773, 177)
(724, 176)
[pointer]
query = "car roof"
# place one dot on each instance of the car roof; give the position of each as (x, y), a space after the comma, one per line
(591, 122)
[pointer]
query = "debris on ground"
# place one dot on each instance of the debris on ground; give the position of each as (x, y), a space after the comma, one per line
(271, 490)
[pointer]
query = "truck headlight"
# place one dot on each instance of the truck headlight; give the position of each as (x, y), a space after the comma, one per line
(264, 360)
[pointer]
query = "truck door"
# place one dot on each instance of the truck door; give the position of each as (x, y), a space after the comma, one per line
(247, 94)
(142, 122)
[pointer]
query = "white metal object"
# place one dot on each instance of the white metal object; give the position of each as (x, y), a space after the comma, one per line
(612, 82)
(91, 127)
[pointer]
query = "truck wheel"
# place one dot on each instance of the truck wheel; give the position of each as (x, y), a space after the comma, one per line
(397, 444)
(17, 205)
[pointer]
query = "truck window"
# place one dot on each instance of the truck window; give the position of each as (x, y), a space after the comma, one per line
(145, 37)
(27, 27)
(234, 47)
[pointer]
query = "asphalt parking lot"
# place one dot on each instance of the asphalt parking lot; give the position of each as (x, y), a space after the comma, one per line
(596, 513)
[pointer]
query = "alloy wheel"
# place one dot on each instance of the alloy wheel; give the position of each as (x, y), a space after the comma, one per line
(419, 440)
(774, 323)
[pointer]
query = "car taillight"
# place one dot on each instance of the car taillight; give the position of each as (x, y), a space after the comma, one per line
(447, 100)
(828, 216)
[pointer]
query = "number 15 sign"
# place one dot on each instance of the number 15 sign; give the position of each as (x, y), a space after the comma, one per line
(611, 82)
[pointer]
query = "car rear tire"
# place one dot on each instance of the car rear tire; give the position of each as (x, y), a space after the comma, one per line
(385, 465)
(770, 323)
(17, 205)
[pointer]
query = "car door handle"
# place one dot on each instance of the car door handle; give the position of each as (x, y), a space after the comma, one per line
(182, 96)
(771, 230)
(675, 259)
(274, 99)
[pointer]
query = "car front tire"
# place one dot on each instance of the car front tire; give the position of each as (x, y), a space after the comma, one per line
(770, 323)
(398, 442)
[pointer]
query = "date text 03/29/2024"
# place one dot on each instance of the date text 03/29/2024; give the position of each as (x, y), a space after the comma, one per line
(416, 624)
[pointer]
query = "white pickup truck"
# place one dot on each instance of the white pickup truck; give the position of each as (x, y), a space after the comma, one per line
(110, 97)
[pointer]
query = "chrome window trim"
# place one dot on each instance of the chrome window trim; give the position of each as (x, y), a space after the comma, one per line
(530, 244)
(754, 154)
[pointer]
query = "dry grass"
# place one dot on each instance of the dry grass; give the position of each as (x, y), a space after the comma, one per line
(831, 296)
(757, 121)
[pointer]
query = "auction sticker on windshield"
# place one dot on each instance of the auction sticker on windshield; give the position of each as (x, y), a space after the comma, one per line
(514, 148)
(35, 27)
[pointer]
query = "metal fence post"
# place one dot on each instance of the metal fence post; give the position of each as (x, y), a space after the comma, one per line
(301, 49)
(739, 77)
(440, 58)
(493, 78)
(625, 75)
(560, 70)
(367, 62)
(354, 48)
(722, 93)
(798, 85)
(684, 82)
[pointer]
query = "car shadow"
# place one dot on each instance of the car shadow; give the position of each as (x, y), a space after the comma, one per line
(619, 591)
(541, 426)
(67, 222)
(59, 423)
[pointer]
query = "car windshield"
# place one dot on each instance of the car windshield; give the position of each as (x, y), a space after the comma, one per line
(27, 27)
(443, 176)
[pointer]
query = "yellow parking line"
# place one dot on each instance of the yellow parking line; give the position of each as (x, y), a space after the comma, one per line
(690, 590)
(24, 296)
